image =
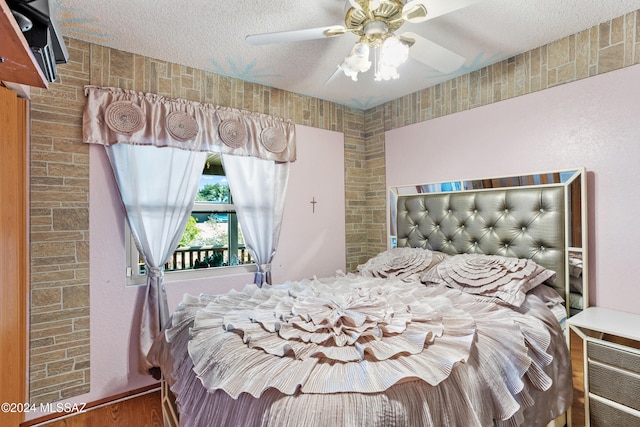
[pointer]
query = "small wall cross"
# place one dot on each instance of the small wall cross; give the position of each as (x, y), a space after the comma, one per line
(313, 204)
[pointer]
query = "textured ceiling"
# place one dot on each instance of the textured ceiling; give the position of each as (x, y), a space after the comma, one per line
(210, 35)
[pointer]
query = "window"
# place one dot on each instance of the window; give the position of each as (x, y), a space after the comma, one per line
(212, 242)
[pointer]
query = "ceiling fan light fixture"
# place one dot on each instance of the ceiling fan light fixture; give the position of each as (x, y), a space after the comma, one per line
(393, 53)
(385, 72)
(357, 61)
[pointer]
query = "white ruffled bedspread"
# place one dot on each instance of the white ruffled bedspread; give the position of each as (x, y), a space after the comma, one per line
(364, 351)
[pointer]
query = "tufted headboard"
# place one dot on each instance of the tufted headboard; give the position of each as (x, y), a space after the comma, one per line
(522, 222)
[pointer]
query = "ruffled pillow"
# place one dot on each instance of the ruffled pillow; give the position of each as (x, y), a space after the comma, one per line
(505, 278)
(403, 263)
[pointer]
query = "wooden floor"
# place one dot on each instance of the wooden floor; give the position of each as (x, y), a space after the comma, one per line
(146, 411)
(140, 411)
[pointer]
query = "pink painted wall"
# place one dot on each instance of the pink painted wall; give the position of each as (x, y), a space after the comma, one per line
(313, 239)
(313, 243)
(592, 123)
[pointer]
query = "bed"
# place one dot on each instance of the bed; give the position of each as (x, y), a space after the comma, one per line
(458, 324)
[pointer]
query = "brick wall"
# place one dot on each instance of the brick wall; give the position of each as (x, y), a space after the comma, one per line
(59, 321)
(59, 363)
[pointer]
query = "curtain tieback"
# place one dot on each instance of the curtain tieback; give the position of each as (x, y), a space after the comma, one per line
(263, 275)
(155, 272)
(265, 268)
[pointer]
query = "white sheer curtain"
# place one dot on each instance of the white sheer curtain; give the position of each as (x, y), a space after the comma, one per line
(158, 146)
(258, 188)
(158, 186)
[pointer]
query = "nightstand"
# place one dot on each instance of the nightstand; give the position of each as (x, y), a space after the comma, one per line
(611, 342)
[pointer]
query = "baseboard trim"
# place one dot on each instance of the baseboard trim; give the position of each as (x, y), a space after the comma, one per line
(46, 419)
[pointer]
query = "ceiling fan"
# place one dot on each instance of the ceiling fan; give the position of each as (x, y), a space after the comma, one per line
(375, 23)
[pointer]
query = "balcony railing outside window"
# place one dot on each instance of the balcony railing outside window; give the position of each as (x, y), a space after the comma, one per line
(203, 257)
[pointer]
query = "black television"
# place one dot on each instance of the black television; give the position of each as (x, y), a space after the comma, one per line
(42, 34)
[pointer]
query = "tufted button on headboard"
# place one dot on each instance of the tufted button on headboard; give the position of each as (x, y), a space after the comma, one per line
(525, 222)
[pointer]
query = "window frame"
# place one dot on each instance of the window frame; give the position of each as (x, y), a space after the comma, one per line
(133, 277)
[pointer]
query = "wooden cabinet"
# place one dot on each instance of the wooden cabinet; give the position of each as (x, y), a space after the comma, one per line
(17, 63)
(611, 343)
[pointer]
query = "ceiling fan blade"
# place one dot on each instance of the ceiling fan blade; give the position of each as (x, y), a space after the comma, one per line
(432, 54)
(412, 11)
(333, 76)
(355, 5)
(295, 35)
(415, 11)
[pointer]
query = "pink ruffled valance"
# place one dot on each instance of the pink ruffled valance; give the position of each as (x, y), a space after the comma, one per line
(114, 115)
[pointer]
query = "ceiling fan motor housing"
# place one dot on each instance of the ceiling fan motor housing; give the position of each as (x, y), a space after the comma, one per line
(376, 27)
(375, 24)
